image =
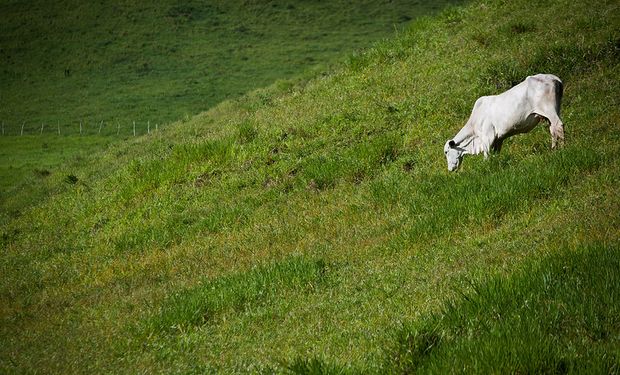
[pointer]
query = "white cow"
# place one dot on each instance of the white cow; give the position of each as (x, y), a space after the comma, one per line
(497, 117)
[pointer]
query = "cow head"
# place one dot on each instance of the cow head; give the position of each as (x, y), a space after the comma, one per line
(454, 155)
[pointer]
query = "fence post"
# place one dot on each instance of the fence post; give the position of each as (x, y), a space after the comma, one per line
(148, 127)
(42, 128)
(22, 132)
(156, 127)
(134, 128)
(100, 125)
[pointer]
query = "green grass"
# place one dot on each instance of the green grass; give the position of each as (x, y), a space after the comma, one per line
(66, 61)
(312, 226)
(559, 315)
(133, 68)
(201, 305)
(30, 165)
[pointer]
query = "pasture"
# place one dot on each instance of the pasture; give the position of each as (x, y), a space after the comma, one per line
(72, 71)
(67, 61)
(312, 227)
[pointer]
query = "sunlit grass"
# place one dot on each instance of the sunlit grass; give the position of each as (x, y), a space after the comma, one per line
(558, 315)
(202, 304)
(313, 227)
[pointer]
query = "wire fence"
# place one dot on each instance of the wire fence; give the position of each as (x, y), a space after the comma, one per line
(103, 128)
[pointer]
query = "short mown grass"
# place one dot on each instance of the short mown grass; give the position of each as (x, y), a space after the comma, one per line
(66, 63)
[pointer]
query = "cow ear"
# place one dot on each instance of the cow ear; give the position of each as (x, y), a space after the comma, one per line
(451, 143)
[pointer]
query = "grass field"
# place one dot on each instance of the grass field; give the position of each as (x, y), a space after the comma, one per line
(72, 71)
(312, 226)
(67, 61)
(29, 163)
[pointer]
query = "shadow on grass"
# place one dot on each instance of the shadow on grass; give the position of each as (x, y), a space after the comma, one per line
(561, 315)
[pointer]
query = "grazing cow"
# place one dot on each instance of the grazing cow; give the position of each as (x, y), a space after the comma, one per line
(497, 117)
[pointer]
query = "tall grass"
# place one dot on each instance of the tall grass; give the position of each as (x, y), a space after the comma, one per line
(444, 202)
(557, 315)
(201, 304)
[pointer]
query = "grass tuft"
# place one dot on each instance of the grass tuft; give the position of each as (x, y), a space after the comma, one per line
(564, 60)
(202, 304)
(558, 315)
(315, 366)
(246, 133)
(71, 179)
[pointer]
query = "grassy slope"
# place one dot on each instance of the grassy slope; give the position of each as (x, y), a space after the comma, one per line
(152, 64)
(30, 162)
(303, 225)
(160, 62)
(554, 316)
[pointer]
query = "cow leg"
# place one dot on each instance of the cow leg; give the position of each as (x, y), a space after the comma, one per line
(486, 149)
(556, 127)
(487, 138)
(559, 130)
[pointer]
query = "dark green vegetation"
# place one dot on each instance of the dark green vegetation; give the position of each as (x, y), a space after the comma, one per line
(312, 226)
(69, 61)
(559, 315)
(29, 165)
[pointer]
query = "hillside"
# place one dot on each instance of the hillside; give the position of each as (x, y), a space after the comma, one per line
(76, 77)
(312, 226)
(66, 61)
